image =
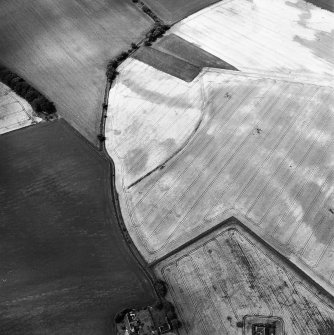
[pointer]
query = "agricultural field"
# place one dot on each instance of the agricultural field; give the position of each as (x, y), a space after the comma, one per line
(143, 104)
(279, 36)
(229, 274)
(62, 47)
(260, 149)
(179, 58)
(65, 267)
(15, 112)
(221, 133)
(178, 47)
(170, 64)
(172, 11)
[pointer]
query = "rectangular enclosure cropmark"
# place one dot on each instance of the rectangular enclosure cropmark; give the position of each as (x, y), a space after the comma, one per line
(263, 325)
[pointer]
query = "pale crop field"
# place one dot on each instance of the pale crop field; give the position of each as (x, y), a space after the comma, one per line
(221, 278)
(262, 152)
(15, 112)
(62, 47)
(141, 128)
(280, 36)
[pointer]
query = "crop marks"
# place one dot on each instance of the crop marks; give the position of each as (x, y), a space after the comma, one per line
(280, 36)
(228, 275)
(262, 152)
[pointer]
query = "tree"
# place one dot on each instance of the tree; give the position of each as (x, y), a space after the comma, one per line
(36, 105)
(111, 74)
(39, 103)
(32, 94)
(176, 324)
(160, 287)
(48, 106)
(159, 305)
(22, 88)
(101, 137)
(13, 82)
(168, 306)
(8, 77)
(119, 317)
(171, 315)
(43, 105)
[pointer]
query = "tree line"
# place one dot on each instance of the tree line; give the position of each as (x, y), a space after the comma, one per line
(39, 103)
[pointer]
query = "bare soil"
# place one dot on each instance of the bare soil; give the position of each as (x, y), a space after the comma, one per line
(169, 64)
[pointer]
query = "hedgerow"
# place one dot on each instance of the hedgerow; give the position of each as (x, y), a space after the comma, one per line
(39, 103)
(156, 32)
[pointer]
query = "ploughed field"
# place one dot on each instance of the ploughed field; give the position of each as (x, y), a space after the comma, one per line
(15, 112)
(62, 47)
(172, 11)
(228, 274)
(64, 267)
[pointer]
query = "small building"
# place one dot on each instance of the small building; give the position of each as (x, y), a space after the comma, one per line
(139, 323)
(165, 328)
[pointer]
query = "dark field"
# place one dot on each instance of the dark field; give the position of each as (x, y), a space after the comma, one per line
(169, 64)
(64, 267)
(324, 4)
(62, 47)
(180, 48)
(172, 11)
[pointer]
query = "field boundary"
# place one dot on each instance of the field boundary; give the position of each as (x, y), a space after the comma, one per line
(115, 198)
(35, 125)
(102, 148)
(112, 197)
(232, 220)
(147, 10)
